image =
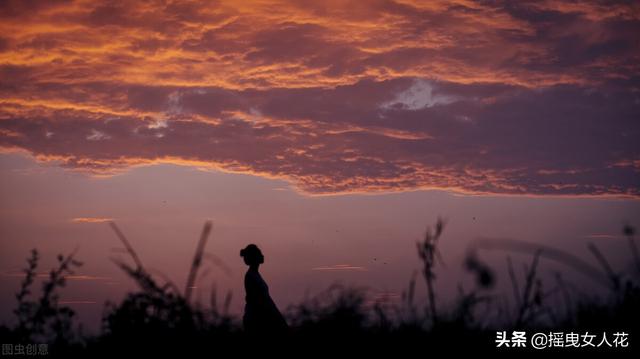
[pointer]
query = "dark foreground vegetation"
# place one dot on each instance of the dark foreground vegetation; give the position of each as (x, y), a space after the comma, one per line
(160, 318)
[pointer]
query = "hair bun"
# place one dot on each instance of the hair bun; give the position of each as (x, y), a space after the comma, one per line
(242, 252)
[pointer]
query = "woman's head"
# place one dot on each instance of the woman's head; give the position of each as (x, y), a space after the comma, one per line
(252, 255)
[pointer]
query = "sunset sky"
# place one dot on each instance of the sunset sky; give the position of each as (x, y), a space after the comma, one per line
(330, 133)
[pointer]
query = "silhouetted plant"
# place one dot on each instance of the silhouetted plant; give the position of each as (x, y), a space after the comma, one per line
(483, 273)
(43, 319)
(630, 233)
(531, 295)
(588, 311)
(160, 311)
(197, 260)
(158, 315)
(337, 310)
(428, 253)
(407, 313)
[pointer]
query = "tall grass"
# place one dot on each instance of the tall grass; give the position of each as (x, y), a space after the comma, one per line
(159, 315)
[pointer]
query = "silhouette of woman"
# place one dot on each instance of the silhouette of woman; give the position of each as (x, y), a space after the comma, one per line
(260, 312)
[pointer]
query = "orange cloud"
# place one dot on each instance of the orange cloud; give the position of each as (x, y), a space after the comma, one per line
(250, 45)
(91, 220)
(335, 97)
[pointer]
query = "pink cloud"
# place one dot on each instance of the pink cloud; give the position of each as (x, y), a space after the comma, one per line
(340, 267)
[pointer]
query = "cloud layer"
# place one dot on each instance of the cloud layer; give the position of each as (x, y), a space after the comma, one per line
(336, 96)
